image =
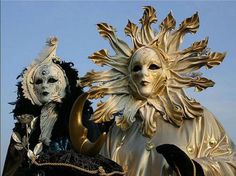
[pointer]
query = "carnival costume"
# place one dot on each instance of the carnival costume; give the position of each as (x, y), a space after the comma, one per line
(157, 129)
(40, 143)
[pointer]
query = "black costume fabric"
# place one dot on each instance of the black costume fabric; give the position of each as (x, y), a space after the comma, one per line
(179, 160)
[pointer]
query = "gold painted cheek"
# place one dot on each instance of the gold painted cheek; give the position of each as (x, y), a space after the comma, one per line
(155, 75)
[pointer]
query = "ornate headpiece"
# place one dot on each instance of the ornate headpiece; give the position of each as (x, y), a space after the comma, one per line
(45, 59)
(178, 67)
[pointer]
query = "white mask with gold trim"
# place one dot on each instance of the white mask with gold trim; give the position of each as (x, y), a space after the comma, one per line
(146, 73)
(45, 81)
(49, 83)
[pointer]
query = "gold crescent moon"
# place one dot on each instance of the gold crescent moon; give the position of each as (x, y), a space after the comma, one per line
(78, 133)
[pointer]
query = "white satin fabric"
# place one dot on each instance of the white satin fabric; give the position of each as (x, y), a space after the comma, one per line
(48, 118)
(202, 139)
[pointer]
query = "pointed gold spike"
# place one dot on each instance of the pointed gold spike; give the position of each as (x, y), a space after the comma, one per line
(149, 15)
(168, 23)
(102, 58)
(132, 30)
(196, 47)
(119, 46)
(215, 58)
(190, 25)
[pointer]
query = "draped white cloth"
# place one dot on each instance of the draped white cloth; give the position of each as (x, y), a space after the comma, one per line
(48, 118)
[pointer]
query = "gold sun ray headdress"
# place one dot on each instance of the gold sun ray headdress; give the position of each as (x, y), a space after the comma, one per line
(179, 67)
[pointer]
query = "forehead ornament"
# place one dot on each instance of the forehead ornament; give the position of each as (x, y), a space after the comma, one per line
(44, 72)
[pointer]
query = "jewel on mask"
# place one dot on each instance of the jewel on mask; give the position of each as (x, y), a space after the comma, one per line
(44, 72)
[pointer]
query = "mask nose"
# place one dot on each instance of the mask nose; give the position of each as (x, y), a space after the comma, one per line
(144, 72)
(44, 85)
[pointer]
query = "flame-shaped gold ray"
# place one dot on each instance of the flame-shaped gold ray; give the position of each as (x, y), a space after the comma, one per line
(196, 47)
(132, 30)
(119, 46)
(192, 108)
(119, 86)
(214, 59)
(189, 25)
(149, 17)
(190, 64)
(101, 58)
(165, 27)
(100, 77)
(131, 108)
(178, 81)
(105, 110)
(174, 112)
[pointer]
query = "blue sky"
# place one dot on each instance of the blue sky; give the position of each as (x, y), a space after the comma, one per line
(25, 25)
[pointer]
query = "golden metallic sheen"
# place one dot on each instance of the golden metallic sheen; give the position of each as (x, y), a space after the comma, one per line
(151, 114)
(78, 133)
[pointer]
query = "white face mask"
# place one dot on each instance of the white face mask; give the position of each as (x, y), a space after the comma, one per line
(49, 83)
(145, 72)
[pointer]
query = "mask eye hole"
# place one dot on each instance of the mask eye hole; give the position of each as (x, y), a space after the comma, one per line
(136, 68)
(153, 67)
(39, 81)
(52, 80)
